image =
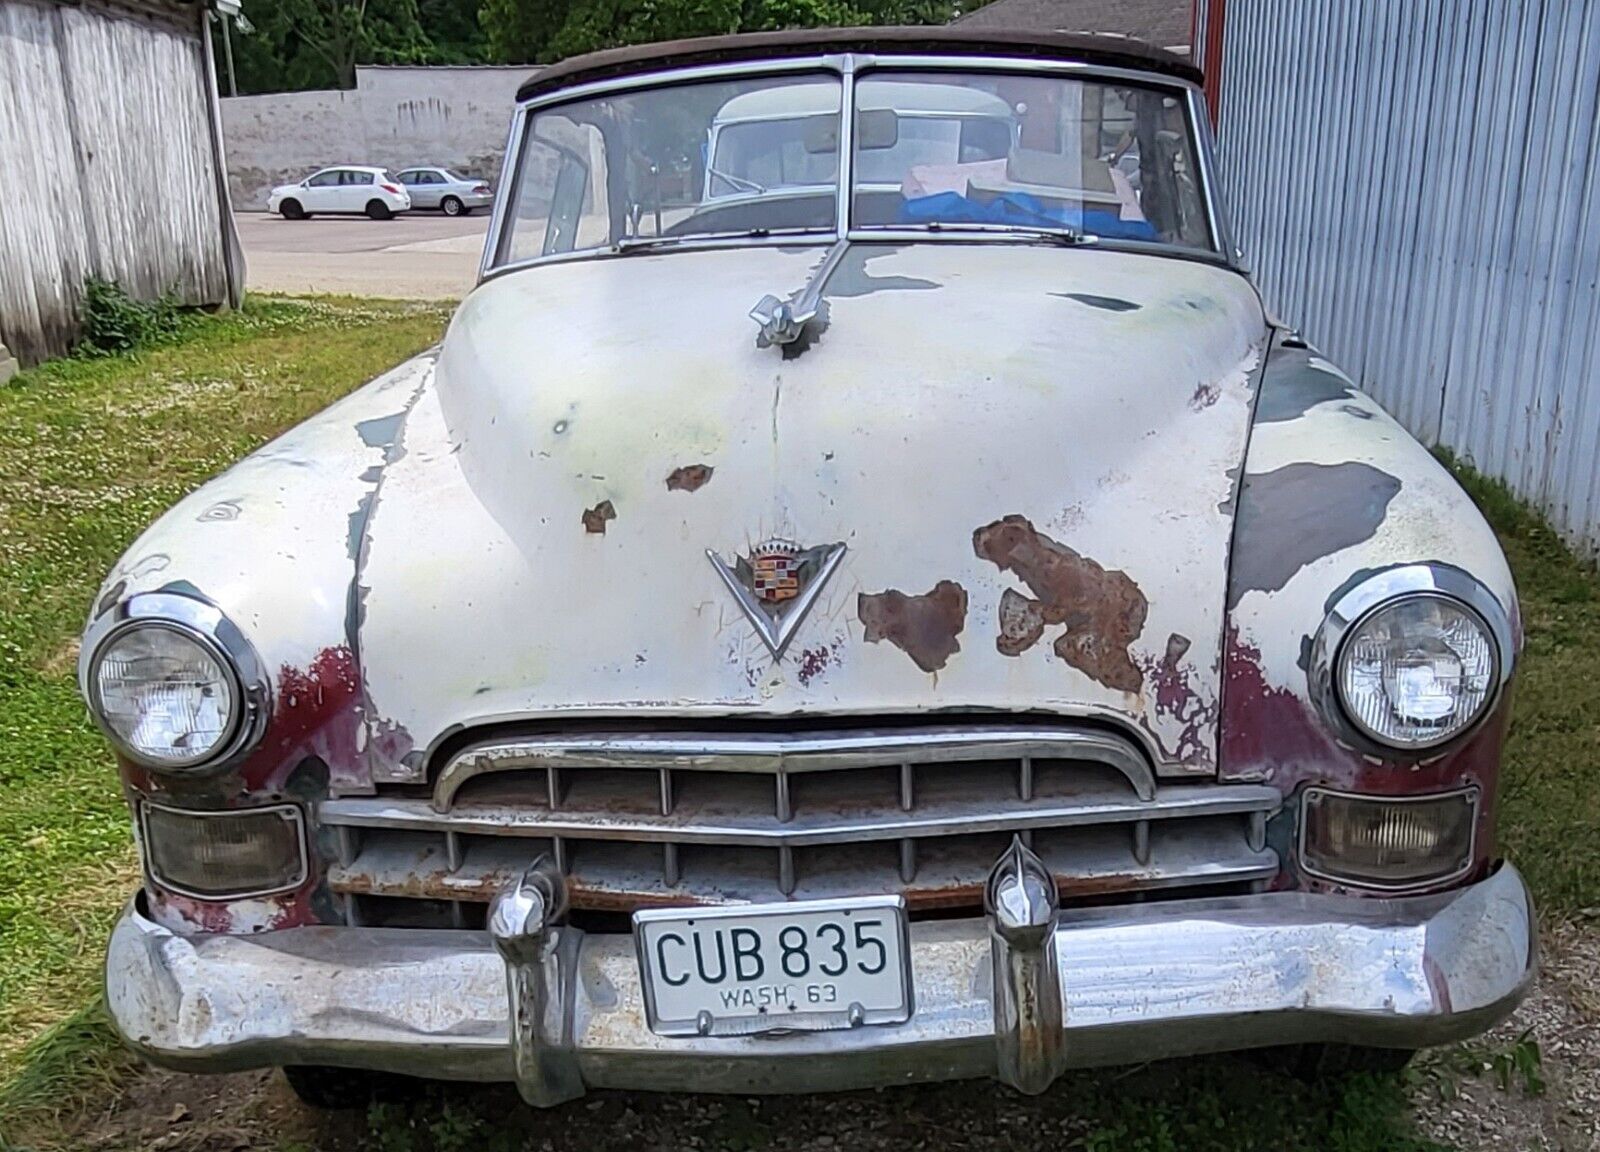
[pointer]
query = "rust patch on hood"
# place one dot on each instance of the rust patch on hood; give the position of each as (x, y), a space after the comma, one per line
(923, 627)
(594, 519)
(689, 478)
(1103, 610)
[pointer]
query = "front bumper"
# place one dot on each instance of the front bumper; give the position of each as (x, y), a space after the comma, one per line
(1088, 987)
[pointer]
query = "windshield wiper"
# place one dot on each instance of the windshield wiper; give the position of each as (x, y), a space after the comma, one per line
(1066, 237)
(647, 243)
(737, 181)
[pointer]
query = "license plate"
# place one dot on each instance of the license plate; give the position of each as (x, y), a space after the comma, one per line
(806, 966)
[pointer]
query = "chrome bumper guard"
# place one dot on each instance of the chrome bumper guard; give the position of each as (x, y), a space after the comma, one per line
(1022, 995)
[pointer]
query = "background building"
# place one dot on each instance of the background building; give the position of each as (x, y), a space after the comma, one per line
(1164, 23)
(111, 163)
(455, 117)
(1417, 186)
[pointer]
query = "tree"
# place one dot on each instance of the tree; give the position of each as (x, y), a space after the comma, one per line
(296, 44)
(530, 31)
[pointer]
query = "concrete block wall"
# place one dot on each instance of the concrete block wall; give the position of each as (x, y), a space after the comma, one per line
(395, 116)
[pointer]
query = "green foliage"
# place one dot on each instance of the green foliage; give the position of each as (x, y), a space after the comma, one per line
(1549, 792)
(525, 31)
(115, 322)
(1517, 1066)
(295, 44)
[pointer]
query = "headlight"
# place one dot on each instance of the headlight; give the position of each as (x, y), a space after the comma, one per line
(167, 697)
(1411, 658)
(1415, 672)
(173, 685)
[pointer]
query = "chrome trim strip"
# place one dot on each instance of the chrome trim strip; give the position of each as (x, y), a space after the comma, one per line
(1138, 982)
(290, 812)
(844, 189)
(1474, 799)
(817, 752)
(507, 192)
(1176, 802)
(1380, 590)
(1205, 147)
(207, 625)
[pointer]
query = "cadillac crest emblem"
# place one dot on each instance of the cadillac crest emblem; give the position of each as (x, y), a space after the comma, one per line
(776, 585)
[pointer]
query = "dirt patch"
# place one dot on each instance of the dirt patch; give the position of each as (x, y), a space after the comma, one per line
(1477, 1095)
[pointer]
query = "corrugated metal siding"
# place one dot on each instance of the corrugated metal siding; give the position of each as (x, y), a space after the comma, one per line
(1417, 187)
(108, 165)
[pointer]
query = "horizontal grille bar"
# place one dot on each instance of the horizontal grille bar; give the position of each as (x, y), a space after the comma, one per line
(709, 824)
(950, 871)
(790, 754)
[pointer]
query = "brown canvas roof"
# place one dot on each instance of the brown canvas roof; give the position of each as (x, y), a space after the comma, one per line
(1111, 51)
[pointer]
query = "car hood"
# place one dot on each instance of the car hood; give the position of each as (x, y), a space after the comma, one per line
(1029, 454)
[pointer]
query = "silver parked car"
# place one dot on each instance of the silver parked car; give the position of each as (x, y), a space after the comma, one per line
(449, 192)
(1014, 651)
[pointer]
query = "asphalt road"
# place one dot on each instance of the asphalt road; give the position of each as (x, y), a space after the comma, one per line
(415, 256)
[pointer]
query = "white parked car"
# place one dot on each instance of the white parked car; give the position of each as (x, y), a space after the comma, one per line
(449, 192)
(349, 188)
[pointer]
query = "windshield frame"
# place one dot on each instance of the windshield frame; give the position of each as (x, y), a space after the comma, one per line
(849, 67)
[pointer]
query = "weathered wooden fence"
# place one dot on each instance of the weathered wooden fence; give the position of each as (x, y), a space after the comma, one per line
(110, 164)
(1417, 186)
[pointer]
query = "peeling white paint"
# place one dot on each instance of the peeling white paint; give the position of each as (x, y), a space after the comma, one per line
(917, 417)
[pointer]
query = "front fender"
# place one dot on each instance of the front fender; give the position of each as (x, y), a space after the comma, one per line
(1332, 488)
(275, 542)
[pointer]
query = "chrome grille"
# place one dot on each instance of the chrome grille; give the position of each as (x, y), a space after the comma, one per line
(642, 820)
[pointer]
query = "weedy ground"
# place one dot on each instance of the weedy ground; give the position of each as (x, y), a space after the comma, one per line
(92, 450)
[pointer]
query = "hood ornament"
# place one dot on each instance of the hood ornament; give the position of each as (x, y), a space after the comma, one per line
(777, 584)
(783, 322)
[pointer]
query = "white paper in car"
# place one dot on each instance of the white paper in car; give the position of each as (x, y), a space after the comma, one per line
(932, 179)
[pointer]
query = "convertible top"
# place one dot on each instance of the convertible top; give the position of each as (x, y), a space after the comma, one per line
(1108, 51)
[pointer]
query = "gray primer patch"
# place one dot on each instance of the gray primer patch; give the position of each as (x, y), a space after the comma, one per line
(1300, 513)
(809, 334)
(1108, 303)
(850, 278)
(1227, 504)
(380, 431)
(1291, 386)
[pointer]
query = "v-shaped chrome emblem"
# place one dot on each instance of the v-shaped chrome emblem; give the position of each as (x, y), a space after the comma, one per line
(777, 584)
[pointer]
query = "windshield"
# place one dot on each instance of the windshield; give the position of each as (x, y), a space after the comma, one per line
(1100, 159)
(937, 150)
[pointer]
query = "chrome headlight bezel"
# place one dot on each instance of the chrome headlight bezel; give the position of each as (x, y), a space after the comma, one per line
(205, 625)
(1376, 592)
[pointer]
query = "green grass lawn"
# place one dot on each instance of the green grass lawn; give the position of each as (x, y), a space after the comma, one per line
(91, 451)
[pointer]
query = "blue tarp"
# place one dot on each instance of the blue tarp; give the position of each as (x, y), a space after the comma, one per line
(1024, 211)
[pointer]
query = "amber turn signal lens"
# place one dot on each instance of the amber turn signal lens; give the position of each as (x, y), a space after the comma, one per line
(225, 855)
(1387, 841)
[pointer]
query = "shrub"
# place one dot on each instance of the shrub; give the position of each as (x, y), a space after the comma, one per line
(115, 322)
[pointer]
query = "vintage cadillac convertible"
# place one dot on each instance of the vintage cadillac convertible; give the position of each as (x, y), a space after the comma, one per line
(863, 593)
